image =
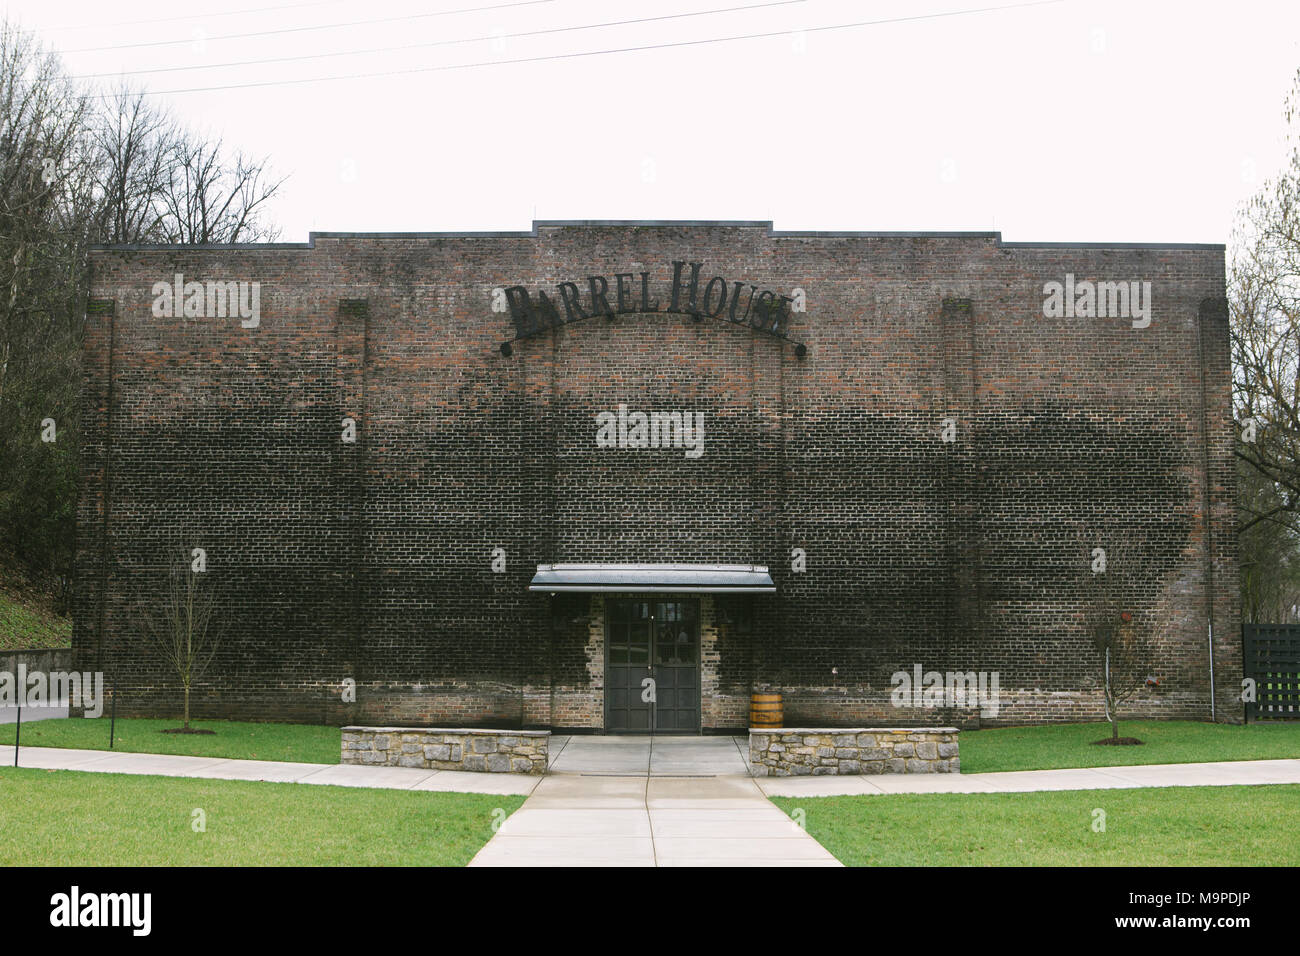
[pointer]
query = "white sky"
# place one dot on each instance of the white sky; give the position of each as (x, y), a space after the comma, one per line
(1084, 120)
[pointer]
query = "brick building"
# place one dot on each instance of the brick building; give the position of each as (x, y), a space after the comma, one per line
(498, 479)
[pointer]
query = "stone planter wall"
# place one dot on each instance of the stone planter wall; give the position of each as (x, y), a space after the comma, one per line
(795, 752)
(484, 751)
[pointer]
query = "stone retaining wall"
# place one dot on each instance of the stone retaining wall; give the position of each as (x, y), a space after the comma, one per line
(795, 752)
(43, 659)
(486, 751)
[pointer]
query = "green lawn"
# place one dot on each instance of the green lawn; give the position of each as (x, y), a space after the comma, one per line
(1054, 746)
(66, 818)
(1168, 826)
(298, 743)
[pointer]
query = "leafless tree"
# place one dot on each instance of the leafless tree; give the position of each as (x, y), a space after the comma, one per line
(1126, 663)
(213, 198)
(182, 628)
(1264, 299)
(135, 146)
(1126, 658)
(1268, 555)
(80, 167)
(43, 195)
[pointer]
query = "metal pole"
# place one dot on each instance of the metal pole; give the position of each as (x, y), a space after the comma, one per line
(112, 714)
(1110, 717)
(1248, 670)
(1210, 632)
(18, 729)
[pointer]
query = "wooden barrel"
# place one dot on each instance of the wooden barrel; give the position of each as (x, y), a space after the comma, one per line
(765, 710)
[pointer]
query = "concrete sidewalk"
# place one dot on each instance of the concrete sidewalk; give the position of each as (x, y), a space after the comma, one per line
(55, 711)
(595, 819)
(578, 820)
(708, 759)
(635, 755)
(224, 768)
(1227, 773)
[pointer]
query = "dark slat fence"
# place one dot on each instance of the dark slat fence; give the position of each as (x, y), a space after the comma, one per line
(1272, 657)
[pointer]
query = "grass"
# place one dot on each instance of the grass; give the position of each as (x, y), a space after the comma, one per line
(24, 624)
(27, 608)
(1167, 826)
(66, 818)
(1056, 746)
(296, 743)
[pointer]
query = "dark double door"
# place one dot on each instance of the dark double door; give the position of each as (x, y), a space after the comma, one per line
(652, 666)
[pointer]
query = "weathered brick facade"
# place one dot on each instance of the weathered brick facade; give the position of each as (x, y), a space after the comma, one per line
(373, 560)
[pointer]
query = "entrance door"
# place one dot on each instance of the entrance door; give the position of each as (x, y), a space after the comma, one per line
(652, 666)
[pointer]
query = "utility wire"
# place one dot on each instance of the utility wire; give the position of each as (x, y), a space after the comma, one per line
(587, 53)
(188, 16)
(322, 26)
(438, 43)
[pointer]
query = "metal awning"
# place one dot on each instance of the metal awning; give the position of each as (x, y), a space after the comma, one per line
(655, 578)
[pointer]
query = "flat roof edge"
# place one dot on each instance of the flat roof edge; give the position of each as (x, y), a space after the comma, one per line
(1202, 246)
(766, 225)
(653, 588)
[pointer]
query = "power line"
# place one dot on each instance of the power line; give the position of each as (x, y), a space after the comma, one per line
(587, 53)
(417, 46)
(188, 16)
(323, 26)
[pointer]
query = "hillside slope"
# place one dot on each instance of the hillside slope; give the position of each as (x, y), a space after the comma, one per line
(27, 612)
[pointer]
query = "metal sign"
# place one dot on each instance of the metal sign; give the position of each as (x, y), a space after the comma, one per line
(596, 296)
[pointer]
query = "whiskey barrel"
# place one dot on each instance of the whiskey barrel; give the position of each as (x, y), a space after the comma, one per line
(765, 710)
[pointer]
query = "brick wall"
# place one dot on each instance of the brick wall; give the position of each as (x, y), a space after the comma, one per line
(372, 561)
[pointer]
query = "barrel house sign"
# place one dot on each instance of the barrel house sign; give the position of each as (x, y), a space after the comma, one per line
(512, 480)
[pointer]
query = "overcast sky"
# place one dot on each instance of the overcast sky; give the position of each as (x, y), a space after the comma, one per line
(1080, 120)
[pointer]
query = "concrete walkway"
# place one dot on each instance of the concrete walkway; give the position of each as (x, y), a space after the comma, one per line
(56, 711)
(655, 756)
(1227, 773)
(222, 768)
(619, 804)
(579, 820)
(680, 758)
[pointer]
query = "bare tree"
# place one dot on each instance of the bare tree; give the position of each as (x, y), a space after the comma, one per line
(1264, 299)
(135, 146)
(1126, 659)
(78, 168)
(43, 195)
(213, 198)
(1126, 665)
(182, 628)
(1268, 554)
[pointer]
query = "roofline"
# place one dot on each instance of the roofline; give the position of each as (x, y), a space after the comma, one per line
(766, 225)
